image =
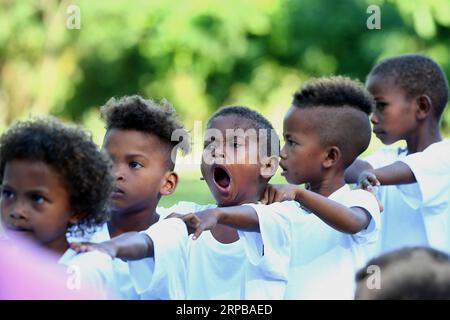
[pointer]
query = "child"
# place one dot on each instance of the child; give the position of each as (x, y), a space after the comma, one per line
(411, 92)
(216, 265)
(417, 273)
(53, 181)
(139, 140)
(325, 130)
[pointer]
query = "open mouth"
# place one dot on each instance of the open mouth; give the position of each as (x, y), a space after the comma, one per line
(222, 178)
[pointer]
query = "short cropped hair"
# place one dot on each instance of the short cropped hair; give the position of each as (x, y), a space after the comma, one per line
(255, 119)
(344, 122)
(410, 273)
(417, 75)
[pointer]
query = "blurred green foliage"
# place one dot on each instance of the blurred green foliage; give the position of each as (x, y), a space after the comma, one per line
(199, 54)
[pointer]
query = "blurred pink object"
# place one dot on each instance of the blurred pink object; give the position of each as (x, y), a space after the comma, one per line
(32, 273)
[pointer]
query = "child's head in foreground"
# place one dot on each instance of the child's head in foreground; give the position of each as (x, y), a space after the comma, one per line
(326, 128)
(240, 155)
(410, 90)
(409, 273)
(53, 180)
(139, 140)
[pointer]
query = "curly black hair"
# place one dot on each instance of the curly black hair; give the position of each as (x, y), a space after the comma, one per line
(417, 75)
(343, 117)
(148, 116)
(410, 273)
(87, 171)
(257, 121)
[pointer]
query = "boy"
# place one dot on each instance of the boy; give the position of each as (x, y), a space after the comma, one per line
(216, 263)
(316, 260)
(139, 141)
(411, 92)
(55, 181)
(416, 273)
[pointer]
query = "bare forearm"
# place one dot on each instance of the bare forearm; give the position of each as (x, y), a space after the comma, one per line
(355, 169)
(133, 246)
(396, 173)
(336, 215)
(240, 217)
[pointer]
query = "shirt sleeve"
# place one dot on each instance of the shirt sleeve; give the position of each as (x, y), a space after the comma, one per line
(382, 157)
(432, 171)
(270, 249)
(164, 275)
(367, 201)
(95, 272)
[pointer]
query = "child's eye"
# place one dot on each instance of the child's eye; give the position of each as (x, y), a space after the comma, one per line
(6, 194)
(37, 198)
(290, 142)
(380, 106)
(135, 165)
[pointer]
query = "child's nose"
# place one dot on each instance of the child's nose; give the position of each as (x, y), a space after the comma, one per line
(19, 212)
(283, 154)
(119, 173)
(374, 118)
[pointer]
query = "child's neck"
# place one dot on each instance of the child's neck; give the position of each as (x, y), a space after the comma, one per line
(136, 220)
(59, 246)
(225, 234)
(328, 184)
(425, 135)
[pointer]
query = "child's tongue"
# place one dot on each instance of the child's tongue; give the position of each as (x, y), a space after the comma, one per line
(221, 177)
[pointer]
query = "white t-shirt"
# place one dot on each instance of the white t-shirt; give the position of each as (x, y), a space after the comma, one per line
(122, 278)
(164, 275)
(431, 193)
(213, 270)
(90, 271)
(125, 288)
(298, 256)
(415, 214)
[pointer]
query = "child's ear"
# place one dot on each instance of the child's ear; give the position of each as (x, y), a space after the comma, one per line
(269, 166)
(333, 155)
(424, 106)
(170, 182)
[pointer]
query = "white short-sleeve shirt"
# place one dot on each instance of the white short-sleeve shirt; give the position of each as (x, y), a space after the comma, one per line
(312, 260)
(90, 271)
(415, 214)
(212, 270)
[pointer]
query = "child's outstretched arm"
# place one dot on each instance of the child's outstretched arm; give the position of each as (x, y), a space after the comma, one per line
(243, 218)
(353, 172)
(348, 220)
(396, 173)
(127, 246)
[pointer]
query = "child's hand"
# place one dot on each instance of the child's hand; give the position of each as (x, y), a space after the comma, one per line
(201, 221)
(107, 247)
(279, 193)
(180, 216)
(367, 179)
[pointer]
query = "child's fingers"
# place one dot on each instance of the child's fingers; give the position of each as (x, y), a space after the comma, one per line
(272, 195)
(373, 180)
(191, 220)
(197, 233)
(265, 197)
(174, 215)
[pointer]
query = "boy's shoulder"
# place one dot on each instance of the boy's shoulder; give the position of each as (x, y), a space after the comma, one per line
(183, 207)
